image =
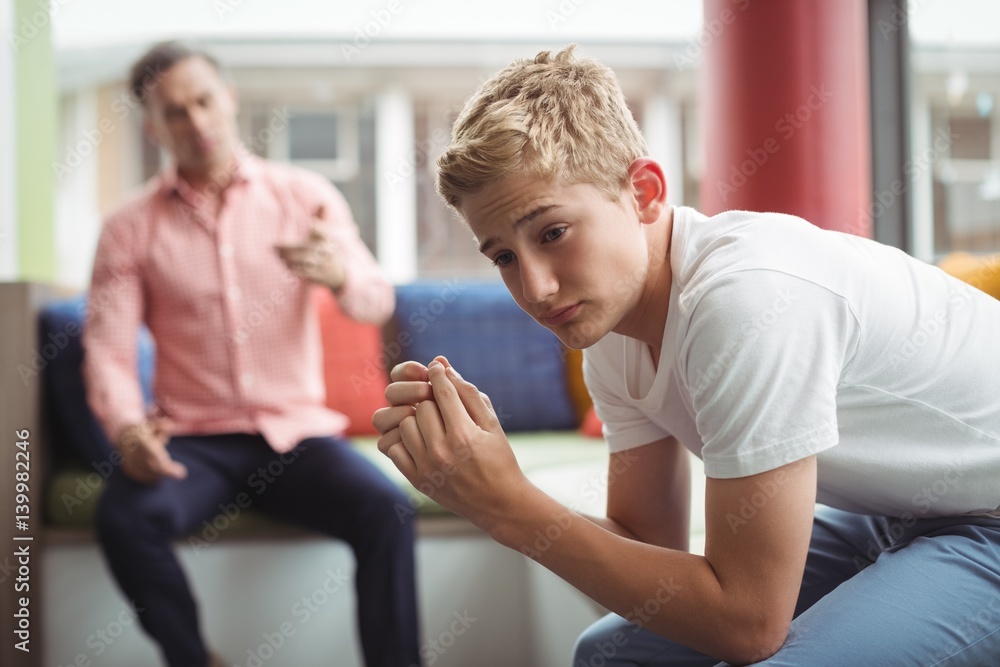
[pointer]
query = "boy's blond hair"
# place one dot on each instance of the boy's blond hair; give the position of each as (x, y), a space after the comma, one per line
(558, 118)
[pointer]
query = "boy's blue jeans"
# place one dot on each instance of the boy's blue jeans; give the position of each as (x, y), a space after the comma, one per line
(876, 591)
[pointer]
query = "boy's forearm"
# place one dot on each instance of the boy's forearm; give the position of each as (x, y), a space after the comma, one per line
(722, 610)
(670, 592)
(671, 539)
(610, 525)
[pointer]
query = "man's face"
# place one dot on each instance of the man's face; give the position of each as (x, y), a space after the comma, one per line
(191, 113)
(572, 259)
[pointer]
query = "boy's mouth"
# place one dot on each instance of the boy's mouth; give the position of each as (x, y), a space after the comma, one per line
(558, 315)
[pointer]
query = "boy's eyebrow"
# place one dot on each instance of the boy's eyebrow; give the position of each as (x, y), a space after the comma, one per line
(485, 245)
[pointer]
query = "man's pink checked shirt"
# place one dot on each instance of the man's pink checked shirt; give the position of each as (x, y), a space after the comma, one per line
(237, 339)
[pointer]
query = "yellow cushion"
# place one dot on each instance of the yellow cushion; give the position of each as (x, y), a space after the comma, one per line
(980, 271)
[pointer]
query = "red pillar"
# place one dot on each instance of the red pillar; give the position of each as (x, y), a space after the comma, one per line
(785, 112)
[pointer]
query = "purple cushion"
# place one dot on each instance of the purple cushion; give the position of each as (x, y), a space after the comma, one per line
(493, 343)
(77, 433)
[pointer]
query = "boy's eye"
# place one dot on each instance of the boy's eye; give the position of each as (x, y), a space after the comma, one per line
(503, 259)
(553, 234)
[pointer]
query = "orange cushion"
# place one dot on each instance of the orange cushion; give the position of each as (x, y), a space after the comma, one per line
(982, 272)
(353, 368)
(578, 393)
(592, 425)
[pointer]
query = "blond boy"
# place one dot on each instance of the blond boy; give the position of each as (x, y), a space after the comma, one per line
(801, 365)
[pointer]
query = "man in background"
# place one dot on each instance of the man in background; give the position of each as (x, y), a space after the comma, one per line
(200, 246)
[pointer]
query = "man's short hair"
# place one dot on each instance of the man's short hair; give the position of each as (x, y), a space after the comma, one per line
(147, 70)
(555, 117)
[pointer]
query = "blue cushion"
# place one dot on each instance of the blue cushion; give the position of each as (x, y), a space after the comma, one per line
(76, 431)
(492, 343)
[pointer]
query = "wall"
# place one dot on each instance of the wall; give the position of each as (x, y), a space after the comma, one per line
(8, 199)
(507, 610)
(35, 102)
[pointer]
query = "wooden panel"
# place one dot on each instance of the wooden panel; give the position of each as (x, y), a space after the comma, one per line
(20, 410)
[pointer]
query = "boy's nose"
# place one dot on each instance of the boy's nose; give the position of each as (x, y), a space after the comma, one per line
(538, 282)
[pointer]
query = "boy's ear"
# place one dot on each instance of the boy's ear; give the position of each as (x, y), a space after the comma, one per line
(648, 188)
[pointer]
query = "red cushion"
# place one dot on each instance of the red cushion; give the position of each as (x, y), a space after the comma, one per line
(592, 425)
(353, 370)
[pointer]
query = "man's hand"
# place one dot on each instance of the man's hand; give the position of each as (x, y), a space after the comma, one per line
(144, 453)
(444, 435)
(314, 259)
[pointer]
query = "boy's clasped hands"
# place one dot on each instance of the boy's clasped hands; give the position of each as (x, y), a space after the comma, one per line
(440, 429)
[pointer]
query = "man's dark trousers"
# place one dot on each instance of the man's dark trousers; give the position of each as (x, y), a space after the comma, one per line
(323, 485)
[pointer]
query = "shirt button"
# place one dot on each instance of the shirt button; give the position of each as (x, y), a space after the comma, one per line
(246, 379)
(226, 250)
(235, 293)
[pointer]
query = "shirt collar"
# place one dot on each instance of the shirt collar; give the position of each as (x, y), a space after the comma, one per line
(245, 167)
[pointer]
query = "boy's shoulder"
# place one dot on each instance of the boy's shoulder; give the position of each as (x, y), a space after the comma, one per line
(743, 235)
(707, 248)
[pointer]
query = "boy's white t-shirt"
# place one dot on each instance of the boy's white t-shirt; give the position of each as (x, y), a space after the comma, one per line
(784, 340)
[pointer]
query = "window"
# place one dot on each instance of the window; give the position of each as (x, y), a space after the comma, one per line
(955, 159)
(967, 182)
(337, 143)
(323, 140)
